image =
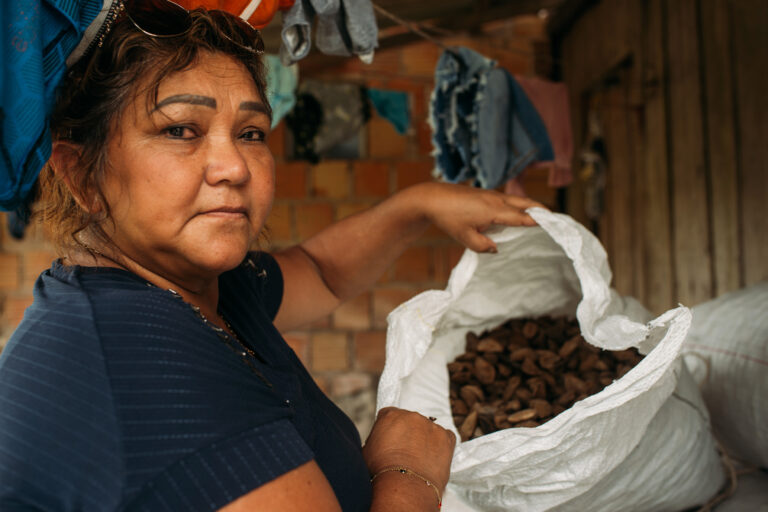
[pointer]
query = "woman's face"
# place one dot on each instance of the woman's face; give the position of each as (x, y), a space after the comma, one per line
(190, 183)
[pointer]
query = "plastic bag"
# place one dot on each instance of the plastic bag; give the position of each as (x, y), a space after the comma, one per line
(643, 443)
(727, 348)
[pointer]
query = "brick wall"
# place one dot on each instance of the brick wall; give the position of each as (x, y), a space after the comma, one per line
(345, 352)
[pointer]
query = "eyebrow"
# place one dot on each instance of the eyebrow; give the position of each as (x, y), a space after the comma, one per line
(255, 106)
(192, 99)
(206, 101)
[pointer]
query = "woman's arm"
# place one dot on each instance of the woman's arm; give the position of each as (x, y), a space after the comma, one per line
(398, 438)
(349, 256)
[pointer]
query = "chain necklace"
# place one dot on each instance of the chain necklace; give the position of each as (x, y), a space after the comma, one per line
(239, 347)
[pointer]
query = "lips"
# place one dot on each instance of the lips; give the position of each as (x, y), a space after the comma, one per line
(231, 210)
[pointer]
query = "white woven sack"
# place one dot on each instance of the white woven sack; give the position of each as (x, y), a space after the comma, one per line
(727, 348)
(641, 444)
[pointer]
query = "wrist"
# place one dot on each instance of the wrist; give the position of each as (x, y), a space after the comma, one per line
(410, 487)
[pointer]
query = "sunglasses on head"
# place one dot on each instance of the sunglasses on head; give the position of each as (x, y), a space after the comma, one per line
(163, 18)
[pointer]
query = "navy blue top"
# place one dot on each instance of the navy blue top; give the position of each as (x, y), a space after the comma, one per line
(116, 395)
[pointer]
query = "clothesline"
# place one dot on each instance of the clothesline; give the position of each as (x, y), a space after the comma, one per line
(416, 29)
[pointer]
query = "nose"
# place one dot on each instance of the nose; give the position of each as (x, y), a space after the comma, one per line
(225, 163)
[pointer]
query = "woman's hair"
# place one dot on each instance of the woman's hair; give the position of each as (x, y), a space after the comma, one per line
(93, 96)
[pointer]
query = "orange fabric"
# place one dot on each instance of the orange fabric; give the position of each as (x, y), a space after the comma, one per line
(260, 18)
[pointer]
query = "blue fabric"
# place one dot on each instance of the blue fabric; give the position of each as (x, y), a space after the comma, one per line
(115, 395)
(37, 37)
(392, 106)
(484, 127)
(281, 87)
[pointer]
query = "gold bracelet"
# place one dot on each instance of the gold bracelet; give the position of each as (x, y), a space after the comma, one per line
(407, 471)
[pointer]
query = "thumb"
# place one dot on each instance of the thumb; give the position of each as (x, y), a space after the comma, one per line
(478, 242)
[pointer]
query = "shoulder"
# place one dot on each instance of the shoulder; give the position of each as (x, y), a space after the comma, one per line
(57, 417)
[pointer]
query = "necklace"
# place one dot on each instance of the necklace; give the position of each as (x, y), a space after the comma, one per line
(239, 347)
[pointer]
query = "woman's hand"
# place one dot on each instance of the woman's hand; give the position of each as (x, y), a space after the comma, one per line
(405, 438)
(465, 213)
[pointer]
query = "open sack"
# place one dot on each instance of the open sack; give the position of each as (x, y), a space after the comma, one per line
(643, 443)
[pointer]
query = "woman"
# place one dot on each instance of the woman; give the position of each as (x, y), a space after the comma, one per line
(150, 373)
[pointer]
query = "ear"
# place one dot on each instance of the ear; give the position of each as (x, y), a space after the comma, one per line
(65, 160)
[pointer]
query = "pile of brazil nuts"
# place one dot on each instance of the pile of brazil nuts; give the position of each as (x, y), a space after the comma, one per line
(527, 371)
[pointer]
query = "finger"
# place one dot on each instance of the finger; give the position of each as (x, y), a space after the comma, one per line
(522, 203)
(478, 242)
(513, 217)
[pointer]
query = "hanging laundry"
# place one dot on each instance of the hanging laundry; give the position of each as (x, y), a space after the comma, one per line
(345, 111)
(484, 127)
(281, 87)
(32, 64)
(297, 32)
(551, 102)
(392, 106)
(304, 122)
(344, 28)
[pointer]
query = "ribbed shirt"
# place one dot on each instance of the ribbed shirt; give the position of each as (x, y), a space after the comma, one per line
(117, 395)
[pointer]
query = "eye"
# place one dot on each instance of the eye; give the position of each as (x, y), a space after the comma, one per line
(253, 135)
(180, 132)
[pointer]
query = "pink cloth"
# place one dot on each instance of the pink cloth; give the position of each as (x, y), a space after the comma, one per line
(551, 102)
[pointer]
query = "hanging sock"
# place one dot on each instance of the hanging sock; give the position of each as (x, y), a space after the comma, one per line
(297, 32)
(392, 106)
(351, 30)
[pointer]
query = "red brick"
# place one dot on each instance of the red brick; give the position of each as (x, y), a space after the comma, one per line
(276, 141)
(354, 314)
(299, 342)
(311, 218)
(331, 179)
(291, 180)
(385, 62)
(350, 208)
(445, 258)
(322, 382)
(13, 310)
(9, 272)
(535, 183)
(387, 299)
(280, 224)
(383, 139)
(413, 172)
(33, 263)
(329, 351)
(371, 179)
(369, 353)
(421, 59)
(424, 138)
(415, 265)
(349, 384)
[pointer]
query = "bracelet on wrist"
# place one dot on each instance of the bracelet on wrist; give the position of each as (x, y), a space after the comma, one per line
(409, 472)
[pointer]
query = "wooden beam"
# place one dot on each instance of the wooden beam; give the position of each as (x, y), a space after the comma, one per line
(750, 17)
(690, 211)
(721, 144)
(658, 271)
